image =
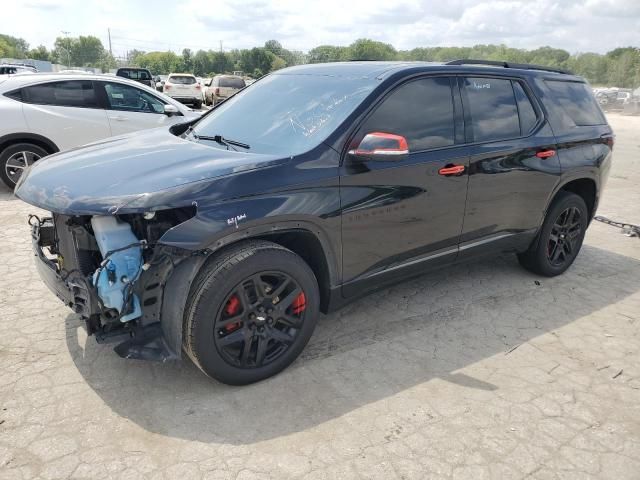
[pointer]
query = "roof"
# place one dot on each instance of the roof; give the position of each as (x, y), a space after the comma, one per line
(376, 69)
(19, 79)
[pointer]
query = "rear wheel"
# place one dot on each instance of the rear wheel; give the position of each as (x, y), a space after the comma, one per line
(251, 312)
(560, 237)
(197, 105)
(16, 158)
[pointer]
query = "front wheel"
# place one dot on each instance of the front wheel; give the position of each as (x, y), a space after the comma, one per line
(560, 237)
(251, 311)
(16, 158)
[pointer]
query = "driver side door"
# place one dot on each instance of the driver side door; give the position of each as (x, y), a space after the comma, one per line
(130, 109)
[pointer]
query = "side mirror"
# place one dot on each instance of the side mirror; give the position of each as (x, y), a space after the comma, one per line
(170, 109)
(380, 146)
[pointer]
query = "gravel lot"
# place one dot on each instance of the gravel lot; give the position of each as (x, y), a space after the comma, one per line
(478, 371)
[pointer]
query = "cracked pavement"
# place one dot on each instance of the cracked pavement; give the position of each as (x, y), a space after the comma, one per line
(478, 371)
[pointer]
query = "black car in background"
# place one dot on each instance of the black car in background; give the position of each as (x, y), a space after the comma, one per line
(141, 75)
(225, 237)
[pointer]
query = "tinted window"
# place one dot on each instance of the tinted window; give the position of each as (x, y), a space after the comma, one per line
(134, 74)
(421, 111)
(286, 114)
(131, 99)
(577, 101)
(182, 79)
(232, 82)
(16, 95)
(72, 93)
(492, 106)
(528, 117)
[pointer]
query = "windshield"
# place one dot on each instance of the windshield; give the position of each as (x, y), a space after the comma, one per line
(286, 114)
(182, 79)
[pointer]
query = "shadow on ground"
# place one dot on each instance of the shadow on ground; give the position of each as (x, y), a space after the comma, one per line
(375, 348)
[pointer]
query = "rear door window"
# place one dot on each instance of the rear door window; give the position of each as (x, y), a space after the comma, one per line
(420, 110)
(492, 107)
(577, 101)
(70, 93)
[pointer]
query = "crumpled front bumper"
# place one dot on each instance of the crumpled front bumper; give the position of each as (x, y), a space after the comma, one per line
(64, 289)
(158, 334)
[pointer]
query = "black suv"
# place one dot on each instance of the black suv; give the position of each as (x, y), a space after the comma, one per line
(225, 237)
(140, 75)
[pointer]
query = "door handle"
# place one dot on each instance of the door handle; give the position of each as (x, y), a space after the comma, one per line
(546, 153)
(452, 170)
(118, 118)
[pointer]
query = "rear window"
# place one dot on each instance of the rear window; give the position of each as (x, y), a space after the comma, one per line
(72, 93)
(577, 101)
(182, 79)
(232, 82)
(134, 74)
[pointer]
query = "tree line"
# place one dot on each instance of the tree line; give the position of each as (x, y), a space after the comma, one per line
(619, 67)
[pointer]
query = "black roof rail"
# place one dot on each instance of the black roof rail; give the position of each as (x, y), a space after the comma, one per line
(523, 66)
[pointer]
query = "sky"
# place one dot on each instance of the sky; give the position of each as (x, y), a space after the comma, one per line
(574, 25)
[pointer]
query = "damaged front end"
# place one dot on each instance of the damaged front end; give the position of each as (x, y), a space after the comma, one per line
(113, 272)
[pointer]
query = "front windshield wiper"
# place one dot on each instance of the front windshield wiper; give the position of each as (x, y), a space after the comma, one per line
(222, 141)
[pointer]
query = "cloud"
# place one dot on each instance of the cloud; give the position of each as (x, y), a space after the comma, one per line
(575, 25)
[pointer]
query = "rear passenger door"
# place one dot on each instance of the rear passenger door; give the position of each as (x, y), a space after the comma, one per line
(68, 112)
(509, 182)
(399, 216)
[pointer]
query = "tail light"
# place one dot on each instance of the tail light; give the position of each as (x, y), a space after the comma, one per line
(167, 86)
(197, 86)
(217, 91)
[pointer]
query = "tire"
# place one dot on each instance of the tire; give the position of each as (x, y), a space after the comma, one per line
(12, 162)
(206, 101)
(226, 344)
(197, 105)
(560, 238)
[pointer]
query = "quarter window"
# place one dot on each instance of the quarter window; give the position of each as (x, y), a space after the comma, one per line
(492, 108)
(131, 99)
(421, 111)
(577, 101)
(71, 93)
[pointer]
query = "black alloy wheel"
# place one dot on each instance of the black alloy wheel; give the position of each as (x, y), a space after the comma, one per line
(560, 237)
(260, 319)
(251, 310)
(565, 234)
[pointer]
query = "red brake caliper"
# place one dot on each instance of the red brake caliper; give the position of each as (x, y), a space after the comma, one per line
(231, 308)
(299, 304)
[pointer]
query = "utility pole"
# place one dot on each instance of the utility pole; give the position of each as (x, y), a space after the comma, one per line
(109, 32)
(220, 46)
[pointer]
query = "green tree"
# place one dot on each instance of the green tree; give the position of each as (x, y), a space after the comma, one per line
(366, 49)
(39, 53)
(13, 46)
(327, 53)
(277, 63)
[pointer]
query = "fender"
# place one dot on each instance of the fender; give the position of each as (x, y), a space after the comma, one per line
(586, 173)
(25, 136)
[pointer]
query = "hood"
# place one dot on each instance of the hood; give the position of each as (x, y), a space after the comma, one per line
(108, 176)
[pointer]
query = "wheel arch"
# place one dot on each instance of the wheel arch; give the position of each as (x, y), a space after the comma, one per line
(586, 187)
(26, 137)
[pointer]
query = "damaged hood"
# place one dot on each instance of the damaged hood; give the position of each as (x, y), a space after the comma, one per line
(131, 173)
